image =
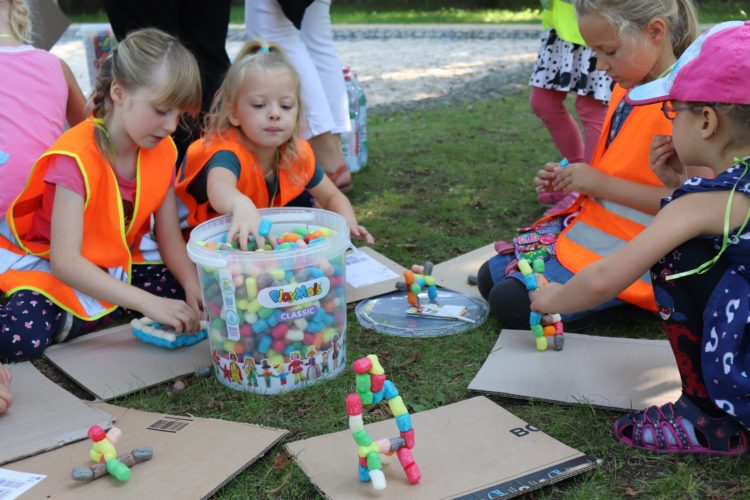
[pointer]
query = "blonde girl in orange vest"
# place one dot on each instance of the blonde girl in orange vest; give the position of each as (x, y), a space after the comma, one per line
(635, 42)
(75, 245)
(251, 156)
(697, 250)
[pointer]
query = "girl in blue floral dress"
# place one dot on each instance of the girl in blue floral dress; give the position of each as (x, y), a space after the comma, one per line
(698, 250)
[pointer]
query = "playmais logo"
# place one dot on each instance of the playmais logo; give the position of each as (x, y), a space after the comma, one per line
(297, 293)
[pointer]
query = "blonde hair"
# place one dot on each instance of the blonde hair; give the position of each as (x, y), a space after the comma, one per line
(255, 54)
(632, 16)
(133, 62)
(20, 21)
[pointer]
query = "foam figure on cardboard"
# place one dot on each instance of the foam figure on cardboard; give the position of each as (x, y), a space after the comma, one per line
(372, 387)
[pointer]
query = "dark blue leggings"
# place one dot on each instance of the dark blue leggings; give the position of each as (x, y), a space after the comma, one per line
(29, 321)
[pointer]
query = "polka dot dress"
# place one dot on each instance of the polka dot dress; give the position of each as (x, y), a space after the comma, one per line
(565, 66)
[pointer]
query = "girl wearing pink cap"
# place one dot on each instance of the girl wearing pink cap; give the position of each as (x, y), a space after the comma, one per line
(697, 249)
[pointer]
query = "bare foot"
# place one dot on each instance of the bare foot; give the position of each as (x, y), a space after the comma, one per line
(6, 397)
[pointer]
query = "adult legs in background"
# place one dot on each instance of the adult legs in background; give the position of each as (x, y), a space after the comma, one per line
(313, 54)
(592, 113)
(202, 26)
(549, 106)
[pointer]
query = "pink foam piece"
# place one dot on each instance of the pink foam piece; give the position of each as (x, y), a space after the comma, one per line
(409, 438)
(363, 461)
(413, 474)
(246, 330)
(279, 331)
(376, 382)
(362, 365)
(558, 327)
(353, 405)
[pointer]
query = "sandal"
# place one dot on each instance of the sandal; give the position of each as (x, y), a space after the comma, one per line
(682, 428)
(336, 177)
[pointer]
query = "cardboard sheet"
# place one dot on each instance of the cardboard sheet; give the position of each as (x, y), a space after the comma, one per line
(112, 363)
(453, 273)
(385, 273)
(48, 21)
(608, 372)
(473, 449)
(193, 457)
(43, 416)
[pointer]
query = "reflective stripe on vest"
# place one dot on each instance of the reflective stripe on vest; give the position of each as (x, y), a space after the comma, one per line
(14, 262)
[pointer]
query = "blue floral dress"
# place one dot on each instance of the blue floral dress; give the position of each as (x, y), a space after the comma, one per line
(725, 349)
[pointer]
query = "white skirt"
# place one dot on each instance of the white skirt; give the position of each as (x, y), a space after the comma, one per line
(568, 67)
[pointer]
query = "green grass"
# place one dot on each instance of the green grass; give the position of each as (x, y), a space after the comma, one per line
(441, 182)
(385, 12)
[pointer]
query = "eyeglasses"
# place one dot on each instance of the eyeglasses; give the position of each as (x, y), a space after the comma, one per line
(670, 110)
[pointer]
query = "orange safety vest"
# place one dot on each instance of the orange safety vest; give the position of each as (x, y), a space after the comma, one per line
(106, 242)
(601, 226)
(292, 180)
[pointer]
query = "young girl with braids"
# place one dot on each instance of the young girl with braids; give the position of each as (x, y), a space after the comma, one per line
(251, 155)
(39, 94)
(74, 245)
(697, 250)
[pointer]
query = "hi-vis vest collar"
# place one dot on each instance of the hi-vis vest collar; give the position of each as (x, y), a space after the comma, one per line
(106, 242)
(601, 226)
(291, 180)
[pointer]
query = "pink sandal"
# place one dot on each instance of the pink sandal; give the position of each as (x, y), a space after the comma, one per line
(682, 428)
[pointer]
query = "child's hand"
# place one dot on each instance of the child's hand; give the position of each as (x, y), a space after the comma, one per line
(193, 297)
(175, 313)
(579, 177)
(358, 232)
(545, 177)
(6, 397)
(542, 297)
(245, 222)
(665, 163)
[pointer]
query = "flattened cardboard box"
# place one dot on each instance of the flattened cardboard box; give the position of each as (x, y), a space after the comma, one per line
(368, 258)
(193, 457)
(43, 416)
(453, 273)
(112, 363)
(472, 449)
(617, 373)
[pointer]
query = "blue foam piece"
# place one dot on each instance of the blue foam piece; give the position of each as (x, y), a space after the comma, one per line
(377, 397)
(389, 390)
(180, 341)
(535, 318)
(364, 474)
(404, 422)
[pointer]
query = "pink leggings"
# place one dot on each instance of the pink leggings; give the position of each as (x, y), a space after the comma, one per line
(550, 107)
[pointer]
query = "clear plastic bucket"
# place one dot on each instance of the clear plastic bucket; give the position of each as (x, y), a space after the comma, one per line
(277, 319)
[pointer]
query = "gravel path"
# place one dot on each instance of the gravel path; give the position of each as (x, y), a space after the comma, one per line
(403, 66)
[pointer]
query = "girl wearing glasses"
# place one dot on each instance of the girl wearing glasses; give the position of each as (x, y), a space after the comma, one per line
(698, 251)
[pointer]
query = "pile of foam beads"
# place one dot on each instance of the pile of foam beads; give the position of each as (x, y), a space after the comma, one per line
(547, 328)
(298, 238)
(271, 308)
(417, 279)
(372, 387)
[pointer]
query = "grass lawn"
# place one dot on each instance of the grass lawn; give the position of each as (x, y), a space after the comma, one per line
(441, 182)
(389, 12)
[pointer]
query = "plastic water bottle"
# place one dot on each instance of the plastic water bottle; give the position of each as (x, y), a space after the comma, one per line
(350, 140)
(361, 123)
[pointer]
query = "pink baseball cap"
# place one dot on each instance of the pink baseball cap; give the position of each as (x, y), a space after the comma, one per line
(714, 68)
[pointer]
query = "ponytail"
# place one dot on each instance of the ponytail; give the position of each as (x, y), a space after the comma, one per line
(20, 22)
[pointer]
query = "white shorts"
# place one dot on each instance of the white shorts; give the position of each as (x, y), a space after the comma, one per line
(313, 54)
